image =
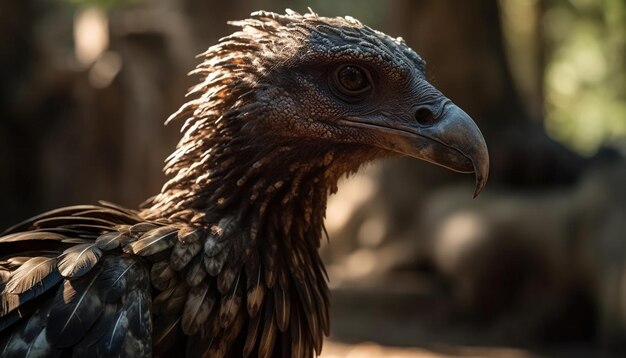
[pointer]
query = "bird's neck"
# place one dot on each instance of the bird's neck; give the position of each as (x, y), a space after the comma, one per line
(278, 189)
(276, 197)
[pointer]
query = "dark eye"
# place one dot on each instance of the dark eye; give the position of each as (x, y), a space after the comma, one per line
(352, 80)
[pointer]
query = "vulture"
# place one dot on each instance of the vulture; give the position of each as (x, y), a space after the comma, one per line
(224, 262)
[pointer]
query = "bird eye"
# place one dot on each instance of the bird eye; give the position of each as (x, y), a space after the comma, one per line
(352, 80)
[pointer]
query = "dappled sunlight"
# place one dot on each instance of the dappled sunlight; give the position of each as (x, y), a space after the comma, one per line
(91, 35)
(91, 42)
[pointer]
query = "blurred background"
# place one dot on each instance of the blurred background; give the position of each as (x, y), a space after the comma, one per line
(534, 267)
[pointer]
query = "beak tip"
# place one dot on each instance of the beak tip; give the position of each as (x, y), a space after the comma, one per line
(477, 192)
(481, 181)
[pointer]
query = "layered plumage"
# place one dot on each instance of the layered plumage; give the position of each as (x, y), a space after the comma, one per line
(224, 262)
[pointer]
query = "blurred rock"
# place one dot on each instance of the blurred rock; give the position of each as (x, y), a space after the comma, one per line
(544, 265)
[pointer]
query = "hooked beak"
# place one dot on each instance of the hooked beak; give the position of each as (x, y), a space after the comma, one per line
(452, 141)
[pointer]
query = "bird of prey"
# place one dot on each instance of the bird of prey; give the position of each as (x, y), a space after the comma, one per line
(224, 261)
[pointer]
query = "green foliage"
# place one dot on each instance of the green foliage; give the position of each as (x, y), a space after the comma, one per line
(585, 78)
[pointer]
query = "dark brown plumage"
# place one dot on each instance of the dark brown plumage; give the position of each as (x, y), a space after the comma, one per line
(223, 262)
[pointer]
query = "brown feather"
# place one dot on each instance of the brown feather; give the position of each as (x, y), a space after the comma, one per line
(229, 273)
(197, 308)
(32, 236)
(214, 264)
(253, 328)
(8, 302)
(298, 341)
(268, 337)
(230, 305)
(78, 260)
(112, 240)
(231, 333)
(162, 276)
(155, 241)
(256, 293)
(141, 228)
(28, 223)
(60, 221)
(5, 275)
(183, 253)
(30, 273)
(189, 234)
(196, 273)
(282, 307)
(269, 264)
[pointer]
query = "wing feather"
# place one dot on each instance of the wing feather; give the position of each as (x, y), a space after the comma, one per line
(32, 236)
(162, 276)
(74, 310)
(155, 241)
(268, 337)
(168, 308)
(282, 304)
(112, 240)
(186, 248)
(198, 306)
(90, 343)
(30, 273)
(79, 260)
(251, 337)
(230, 305)
(28, 223)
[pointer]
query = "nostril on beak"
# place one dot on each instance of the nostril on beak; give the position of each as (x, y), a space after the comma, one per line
(424, 116)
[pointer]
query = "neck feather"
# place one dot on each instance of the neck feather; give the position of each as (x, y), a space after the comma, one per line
(266, 199)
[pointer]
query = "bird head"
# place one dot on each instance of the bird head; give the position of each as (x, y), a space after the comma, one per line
(310, 83)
